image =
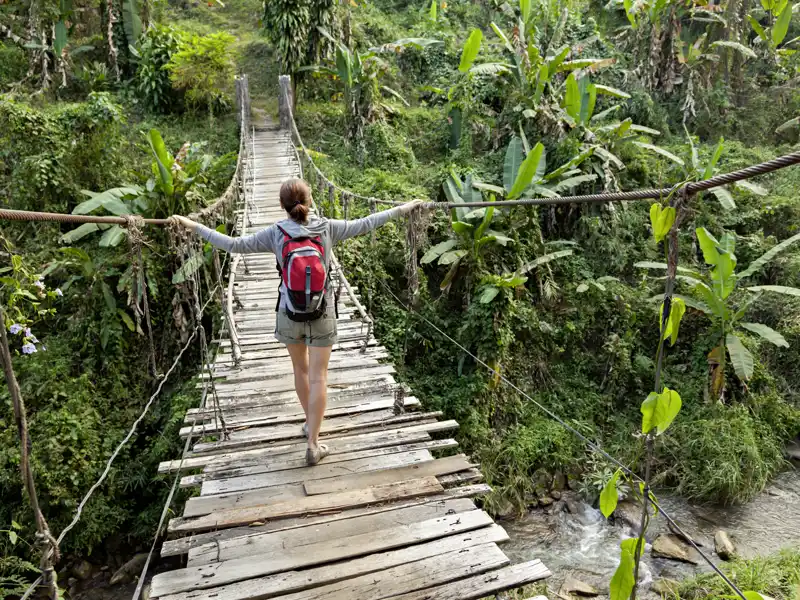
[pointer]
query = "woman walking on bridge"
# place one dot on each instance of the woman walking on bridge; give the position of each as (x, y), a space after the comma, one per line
(306, 319)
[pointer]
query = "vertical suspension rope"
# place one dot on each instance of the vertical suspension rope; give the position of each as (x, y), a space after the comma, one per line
(44, 538)
(331, 201)
(134, 225)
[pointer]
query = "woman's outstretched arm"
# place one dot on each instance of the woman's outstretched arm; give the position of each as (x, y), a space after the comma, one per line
(342, 230)
(261, 241)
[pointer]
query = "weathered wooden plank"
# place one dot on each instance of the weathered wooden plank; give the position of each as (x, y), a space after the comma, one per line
(269, 488)
(251, 545)
(292, 581)
(185, 544)
(335, 426)
(231, 470)
(344, 483)
(481, 586)
(412, 576)
(310, 505)
(297, 416)
(336, 444)
(221, 573)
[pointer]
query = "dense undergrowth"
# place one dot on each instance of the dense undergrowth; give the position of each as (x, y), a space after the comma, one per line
(578, 336)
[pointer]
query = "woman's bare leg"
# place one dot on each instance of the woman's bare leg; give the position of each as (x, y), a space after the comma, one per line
(299, 354)
(318, 398)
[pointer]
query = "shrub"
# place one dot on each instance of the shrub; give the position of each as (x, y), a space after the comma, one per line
(152, 80)
(13, 63)
(203, 68)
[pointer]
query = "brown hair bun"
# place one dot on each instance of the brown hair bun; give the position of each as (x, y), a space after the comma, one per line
(295, 198)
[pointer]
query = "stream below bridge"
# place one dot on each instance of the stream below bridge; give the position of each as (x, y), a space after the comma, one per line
(585, 546)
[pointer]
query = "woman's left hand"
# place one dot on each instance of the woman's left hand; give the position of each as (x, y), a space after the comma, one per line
(187, 223)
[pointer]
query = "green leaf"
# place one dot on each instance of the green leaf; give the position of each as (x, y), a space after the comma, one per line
(757, 28)
(781, 27)
(725, 198)
(436, 251)
(188, 268)
(583, 287)
(15, 525)
(60, 40)
(768, 256)
(488, 294)
(512, 163)
(113, 236)
(554, 63)
(12, 536)
(572, 98)
(610, 91)
(571, 182)
(768, 333)
(126, 319)
(660, 410)
(659, 150)
(525, 10)
(723, 276)
(622, 581)
(676, 312)
(751, 187)
(503, 38)
(470, 51)
(79, 233)
(111, 303)
(741, 359)
(131, 21)
(163, 160)
(463, 229)
(740, 48)
(526, 172)
(661, 220)
(448, 258)
(588, 99)
(433, 10)
(610, 496)
(712, 163)
(778, 289)
(546, 258)
(451, 275)
(708, 244)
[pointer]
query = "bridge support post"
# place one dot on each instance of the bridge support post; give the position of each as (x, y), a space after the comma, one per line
(285, 101)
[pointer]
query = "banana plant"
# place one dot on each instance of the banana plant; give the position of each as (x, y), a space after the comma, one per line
(471, 237)
(169, 190)
(359, 74)
(711, 294)
(780, 15)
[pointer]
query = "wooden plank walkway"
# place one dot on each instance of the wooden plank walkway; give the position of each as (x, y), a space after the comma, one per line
(389, 514)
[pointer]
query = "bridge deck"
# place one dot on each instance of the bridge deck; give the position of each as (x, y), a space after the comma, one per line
(387, 514)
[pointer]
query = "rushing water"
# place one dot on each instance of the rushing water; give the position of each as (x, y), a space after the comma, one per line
(587, 546)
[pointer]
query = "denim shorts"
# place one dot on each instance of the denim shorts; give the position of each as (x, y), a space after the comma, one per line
(319, 333)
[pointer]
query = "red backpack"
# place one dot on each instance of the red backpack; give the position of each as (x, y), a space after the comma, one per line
(303, 273)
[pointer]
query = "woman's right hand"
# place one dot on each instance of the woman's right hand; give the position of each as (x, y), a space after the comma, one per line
(187, 223)
(410, 206)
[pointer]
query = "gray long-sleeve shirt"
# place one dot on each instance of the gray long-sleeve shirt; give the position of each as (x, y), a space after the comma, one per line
(270, 239)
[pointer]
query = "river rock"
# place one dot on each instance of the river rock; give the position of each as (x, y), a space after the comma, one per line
(129, 569)
(545, 501)
(556, 494)
(559, 482)
(683, 533)
(572, 504)
(723, 545)
(82, 569)
(664, 586)
(673, 547)
(574, 586)
(793, 451)
(629, 513)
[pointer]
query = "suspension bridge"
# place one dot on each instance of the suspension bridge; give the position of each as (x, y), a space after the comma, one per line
(391, 512)
(388, 514)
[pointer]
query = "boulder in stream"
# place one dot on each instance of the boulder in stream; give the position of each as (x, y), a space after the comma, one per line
(629, 512)
(130, 569)
(575, 587)
(723, 545)
(82, 569)
(674, 548)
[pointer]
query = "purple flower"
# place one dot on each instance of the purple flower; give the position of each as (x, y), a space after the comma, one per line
(28, 348)
(15, 328)
(28, 332)
(39, 284)
(59, 293)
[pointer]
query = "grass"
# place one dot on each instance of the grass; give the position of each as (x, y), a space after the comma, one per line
(776, 576)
